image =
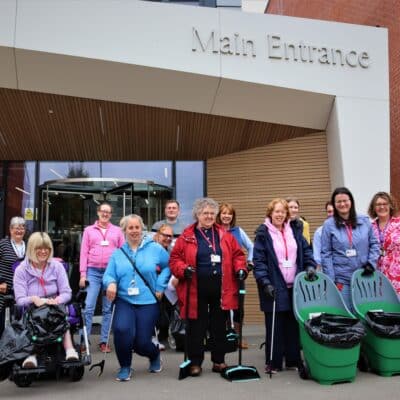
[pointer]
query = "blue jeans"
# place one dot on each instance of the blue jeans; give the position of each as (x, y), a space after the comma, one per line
(346, 295)
(133, 328)
(95, 278)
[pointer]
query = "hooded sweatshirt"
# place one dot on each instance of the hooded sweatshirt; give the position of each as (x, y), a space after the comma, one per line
(51, 282)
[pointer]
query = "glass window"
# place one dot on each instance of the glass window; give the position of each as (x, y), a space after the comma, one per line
(21, 193)
(157, 171)
(53, 170)
(189, 186)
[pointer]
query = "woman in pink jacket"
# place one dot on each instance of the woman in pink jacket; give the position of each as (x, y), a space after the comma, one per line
(98, 243)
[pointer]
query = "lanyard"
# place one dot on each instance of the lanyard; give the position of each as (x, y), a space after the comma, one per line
(349, 232)
(381, 233)
(101, 232)
(19, 250)
(42, 282)
(285, 244)
(210, 244)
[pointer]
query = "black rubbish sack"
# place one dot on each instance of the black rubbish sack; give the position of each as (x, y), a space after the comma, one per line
(15, 344)
(46, 324)
(384, 324)
(335, 330)
(177, 329)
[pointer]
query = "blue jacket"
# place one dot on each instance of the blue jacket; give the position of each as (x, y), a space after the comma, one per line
(266, 267)
(335, 242)
(149, 258)
(243, 240)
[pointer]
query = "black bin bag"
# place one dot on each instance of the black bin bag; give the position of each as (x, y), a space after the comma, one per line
(46, 324)
(14, 346)
(335, 330)
(177, 329)
(384, 324)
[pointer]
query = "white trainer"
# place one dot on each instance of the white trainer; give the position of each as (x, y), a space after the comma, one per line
(71, 355)
(30, 362)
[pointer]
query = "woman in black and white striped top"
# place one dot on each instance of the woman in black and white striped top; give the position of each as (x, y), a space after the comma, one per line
(11, 249)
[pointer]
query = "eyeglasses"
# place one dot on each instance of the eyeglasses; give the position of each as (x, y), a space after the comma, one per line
(381, 204)
(208, 214)
(43, 249)
(166, 235)
(105, 212)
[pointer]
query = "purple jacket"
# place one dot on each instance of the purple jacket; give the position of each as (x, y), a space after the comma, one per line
(93, 254)
(28, 282)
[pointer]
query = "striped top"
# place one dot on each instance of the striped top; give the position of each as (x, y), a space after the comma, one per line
(7, 259)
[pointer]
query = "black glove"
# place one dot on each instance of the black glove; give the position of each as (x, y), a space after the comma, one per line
(188, 272)
(250, 266)
(310, 271)
(241, 274)
(269, 290)
(368, 270)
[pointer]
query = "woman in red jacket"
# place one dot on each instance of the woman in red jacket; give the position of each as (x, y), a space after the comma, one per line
(209, 259)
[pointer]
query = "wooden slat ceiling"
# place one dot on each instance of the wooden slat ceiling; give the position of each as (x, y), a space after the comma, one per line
(39, 126)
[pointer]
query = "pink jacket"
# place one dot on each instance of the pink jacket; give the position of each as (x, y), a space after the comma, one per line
(284, 245)
(93, 253)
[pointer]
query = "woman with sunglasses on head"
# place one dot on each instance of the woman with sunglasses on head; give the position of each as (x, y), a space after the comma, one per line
(348, 243)
(386, 224)
(163, 236)
(12, 249)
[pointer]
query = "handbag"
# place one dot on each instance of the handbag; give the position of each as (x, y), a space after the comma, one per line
(140, 274)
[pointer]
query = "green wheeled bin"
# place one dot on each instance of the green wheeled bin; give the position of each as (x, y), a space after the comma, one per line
(376, 303)
(325, 362)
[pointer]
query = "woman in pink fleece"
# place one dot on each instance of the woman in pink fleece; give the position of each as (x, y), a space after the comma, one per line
(98, 243)
(40, 279)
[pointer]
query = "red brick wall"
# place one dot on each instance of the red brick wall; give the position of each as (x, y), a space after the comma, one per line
(384, 13)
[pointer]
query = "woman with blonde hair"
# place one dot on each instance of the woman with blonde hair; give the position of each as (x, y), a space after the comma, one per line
(39, 280)
(386, 225)
(280, 253)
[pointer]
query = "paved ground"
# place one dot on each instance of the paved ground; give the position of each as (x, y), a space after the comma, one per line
(209, 386)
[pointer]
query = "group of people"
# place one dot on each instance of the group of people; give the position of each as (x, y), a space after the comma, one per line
(204, 262)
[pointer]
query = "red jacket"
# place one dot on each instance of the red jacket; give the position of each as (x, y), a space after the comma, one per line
(184, 254)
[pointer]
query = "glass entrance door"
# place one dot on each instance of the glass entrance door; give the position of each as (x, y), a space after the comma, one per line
(70, 205)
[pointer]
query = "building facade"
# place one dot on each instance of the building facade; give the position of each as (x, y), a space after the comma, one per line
(258, 105)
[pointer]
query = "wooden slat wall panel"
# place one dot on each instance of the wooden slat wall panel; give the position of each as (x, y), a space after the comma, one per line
(250, 179)
(87, 129)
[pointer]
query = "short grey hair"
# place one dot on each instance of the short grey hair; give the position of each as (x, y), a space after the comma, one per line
(36, 241)
(125, 220)
(200, 204)
(16, 221)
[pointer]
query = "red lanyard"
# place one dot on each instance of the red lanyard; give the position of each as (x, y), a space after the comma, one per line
(101, 232)
(349, 232)
(210, 244)
(42, 282)
(285, 243)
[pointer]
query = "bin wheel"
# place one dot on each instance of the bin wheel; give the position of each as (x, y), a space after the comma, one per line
(23, 380)
(363, 363)
(304, 371)
(76, 373)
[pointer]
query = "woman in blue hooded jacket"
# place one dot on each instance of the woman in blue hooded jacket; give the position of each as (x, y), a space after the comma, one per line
(348, 243)
(136, 302)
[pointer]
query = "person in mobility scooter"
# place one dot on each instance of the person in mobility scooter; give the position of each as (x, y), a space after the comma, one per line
(42, 290)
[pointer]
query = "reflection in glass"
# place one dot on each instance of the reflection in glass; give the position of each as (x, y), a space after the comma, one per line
(189, 186)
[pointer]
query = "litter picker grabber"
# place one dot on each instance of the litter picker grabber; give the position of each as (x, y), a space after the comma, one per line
(271, 352)
(184, 368)
(103, 361)
(240, 373)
